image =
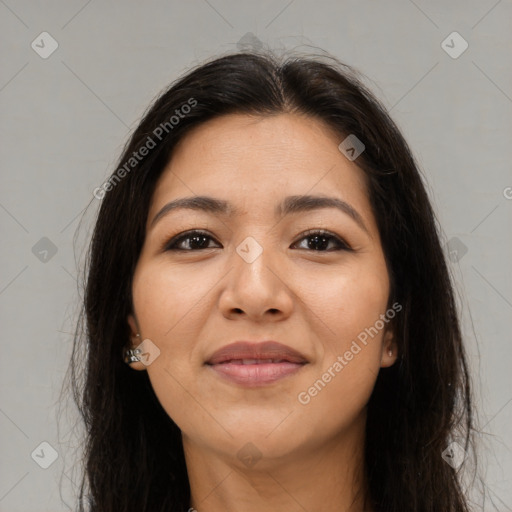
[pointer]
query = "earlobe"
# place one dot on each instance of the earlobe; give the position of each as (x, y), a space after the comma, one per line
(130, 355)
(389, 350)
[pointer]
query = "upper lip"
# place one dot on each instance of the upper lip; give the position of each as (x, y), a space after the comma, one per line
(260, 350)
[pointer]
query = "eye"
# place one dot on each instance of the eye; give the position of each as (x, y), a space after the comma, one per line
(319, 240)
(196, 240)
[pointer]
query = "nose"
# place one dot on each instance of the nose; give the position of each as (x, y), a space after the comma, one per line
(256, 289)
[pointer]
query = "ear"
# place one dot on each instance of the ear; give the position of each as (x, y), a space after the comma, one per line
(389, 353)
(134, 341)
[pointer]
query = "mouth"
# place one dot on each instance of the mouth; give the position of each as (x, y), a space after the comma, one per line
(256, 364)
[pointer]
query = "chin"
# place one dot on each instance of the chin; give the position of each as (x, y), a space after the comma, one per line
(265, 439)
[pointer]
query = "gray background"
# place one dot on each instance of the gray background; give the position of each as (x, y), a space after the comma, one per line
(65, 118)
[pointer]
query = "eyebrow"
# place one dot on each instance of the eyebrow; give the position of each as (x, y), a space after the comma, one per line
(290, 205)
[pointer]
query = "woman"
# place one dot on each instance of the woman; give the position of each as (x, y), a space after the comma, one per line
(269, 319)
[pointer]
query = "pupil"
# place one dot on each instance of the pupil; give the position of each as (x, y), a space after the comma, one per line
(195, 238)
(314, 242)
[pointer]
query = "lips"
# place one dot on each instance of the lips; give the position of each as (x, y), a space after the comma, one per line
(245, 352)
(255, 364)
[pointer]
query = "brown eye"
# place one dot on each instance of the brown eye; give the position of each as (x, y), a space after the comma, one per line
(190, 241)
(320, 241)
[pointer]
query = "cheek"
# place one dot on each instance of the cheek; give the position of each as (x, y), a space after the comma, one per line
(351, 306)
(165, 297)
(168, 302)
(347, 301)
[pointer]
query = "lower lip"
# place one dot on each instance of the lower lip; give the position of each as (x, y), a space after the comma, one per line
(256, 374)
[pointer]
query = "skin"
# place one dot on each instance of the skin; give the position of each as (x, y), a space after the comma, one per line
(189, 304)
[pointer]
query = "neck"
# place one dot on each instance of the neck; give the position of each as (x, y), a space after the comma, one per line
(325, 478)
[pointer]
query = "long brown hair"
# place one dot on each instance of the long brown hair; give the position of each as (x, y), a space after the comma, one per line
(133, 456)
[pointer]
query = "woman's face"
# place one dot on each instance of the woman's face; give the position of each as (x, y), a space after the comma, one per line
(255, 274)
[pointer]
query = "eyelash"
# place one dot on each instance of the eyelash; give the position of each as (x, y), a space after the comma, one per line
(172, 244)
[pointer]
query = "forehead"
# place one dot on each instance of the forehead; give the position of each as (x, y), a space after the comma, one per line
(245, 159)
